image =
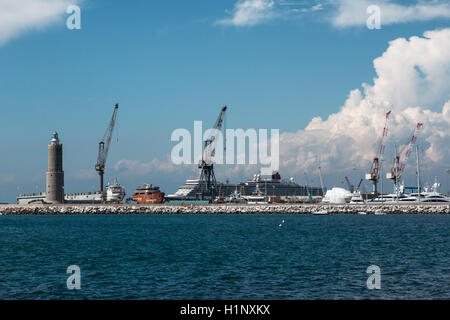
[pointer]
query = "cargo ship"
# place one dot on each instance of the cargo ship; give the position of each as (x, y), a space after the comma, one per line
(148, 194)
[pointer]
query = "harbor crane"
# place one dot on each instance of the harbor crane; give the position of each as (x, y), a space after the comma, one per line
(103, 149)
(207, 177)
(359, 185)
(307, 186)
(374, 174)
(402, 157)
(351, 186)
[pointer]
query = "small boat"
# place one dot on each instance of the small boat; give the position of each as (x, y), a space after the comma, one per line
(362, 213)
(357, 198)
(258, 197)
(235, 197)
(321, 213)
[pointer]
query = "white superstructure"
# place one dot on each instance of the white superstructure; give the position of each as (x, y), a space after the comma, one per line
(115, 192)
(357, 198)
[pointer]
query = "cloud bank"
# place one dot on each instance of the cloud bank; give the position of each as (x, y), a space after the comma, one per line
(353, 13)
(412, 75)
(341, 13)
(20, 16)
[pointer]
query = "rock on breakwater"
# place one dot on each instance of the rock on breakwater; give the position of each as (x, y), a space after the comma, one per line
(224, 209)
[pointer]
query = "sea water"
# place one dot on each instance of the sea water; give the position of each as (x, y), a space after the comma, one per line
(225, 256)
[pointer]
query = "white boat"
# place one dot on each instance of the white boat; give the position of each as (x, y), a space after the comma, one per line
(429, 195)
(258, 197)
(321, 213)
(235, 197)
(254, 199)
(390, 198)
(357, 198)
(435, 198)
(115, 193)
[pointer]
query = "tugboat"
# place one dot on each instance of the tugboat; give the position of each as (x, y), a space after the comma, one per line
(148, 194)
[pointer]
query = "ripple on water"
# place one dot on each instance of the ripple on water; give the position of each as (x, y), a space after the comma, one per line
(225, 256)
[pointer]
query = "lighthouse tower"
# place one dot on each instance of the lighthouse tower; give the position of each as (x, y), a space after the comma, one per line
(55, 173)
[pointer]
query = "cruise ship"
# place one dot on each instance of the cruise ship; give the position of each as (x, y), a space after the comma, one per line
(277, 189)
(194, 190)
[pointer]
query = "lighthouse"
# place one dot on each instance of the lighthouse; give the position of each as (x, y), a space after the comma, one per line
(55, 173)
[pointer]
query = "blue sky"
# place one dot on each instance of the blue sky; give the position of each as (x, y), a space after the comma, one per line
(168, 64)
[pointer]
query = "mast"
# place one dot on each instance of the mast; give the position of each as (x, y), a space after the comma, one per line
(381, 176)
(307, 187)
(418, 173)
(321, 181)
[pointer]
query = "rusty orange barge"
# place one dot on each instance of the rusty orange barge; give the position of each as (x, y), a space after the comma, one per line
(148, 194)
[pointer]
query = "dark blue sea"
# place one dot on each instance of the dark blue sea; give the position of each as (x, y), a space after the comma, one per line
(225, 256)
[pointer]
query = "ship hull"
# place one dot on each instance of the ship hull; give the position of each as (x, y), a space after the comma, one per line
(155, 198)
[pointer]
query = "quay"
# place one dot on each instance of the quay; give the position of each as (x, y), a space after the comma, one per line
(13, 209)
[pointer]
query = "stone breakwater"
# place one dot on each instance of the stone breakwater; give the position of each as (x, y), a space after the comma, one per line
(223, 209)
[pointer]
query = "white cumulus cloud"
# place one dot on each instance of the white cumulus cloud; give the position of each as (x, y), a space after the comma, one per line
(412, 75)
(20, 16)
(251, 12)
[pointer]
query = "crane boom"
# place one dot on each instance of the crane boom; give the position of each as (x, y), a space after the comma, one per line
(374, 174)
(209, 150)
(401, 159)
(350, 186)
(207, 176)
(103, 147)
(359, 185)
